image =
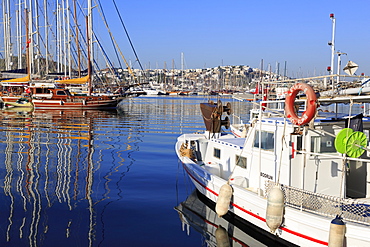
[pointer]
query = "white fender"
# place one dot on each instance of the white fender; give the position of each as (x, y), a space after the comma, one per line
(223, 200)
(337, 232)
(275, 208)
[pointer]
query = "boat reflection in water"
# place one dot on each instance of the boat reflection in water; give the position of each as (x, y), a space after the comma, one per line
(197, 212)
(51, 163)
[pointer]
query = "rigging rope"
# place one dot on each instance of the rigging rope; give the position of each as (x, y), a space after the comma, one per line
(128, 36)
(110, 34)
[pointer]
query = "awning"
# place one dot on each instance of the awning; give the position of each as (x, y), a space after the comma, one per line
(81, 80)
(22, 79)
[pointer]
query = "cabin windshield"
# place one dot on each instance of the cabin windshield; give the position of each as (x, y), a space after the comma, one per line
(61, 93)
(267, 140)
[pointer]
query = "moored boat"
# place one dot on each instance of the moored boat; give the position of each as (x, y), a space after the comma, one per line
(21, 102)
(13, 89)
(61, 98)
(302, 178)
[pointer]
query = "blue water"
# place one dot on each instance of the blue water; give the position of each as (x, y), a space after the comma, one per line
(101, 178)
(96, 178)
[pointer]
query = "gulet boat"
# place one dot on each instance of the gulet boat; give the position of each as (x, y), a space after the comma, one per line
(61, 98)
(298, 178)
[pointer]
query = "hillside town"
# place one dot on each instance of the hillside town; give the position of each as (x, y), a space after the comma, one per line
(221, 79)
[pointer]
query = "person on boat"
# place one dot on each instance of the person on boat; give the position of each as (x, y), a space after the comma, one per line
(28, 90)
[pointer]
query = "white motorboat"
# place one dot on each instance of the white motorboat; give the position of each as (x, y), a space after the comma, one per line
(302, 178)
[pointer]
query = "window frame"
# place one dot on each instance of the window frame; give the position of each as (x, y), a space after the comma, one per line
(266, 146)
(217, 153)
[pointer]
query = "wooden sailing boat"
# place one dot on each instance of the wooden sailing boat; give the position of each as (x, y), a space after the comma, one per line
(13, 89)
(61, 98)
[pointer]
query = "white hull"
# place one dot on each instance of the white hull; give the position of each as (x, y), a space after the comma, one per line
(251, 207)
(289, 180)
(299, 227)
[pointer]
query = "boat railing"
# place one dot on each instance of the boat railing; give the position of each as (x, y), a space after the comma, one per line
(351, 210)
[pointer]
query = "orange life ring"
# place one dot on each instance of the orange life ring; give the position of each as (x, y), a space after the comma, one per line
(310, 104)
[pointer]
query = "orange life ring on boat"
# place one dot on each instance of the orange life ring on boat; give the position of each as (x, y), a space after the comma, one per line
(310, 104)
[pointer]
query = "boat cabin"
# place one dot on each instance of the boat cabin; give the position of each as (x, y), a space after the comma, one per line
(273, 149)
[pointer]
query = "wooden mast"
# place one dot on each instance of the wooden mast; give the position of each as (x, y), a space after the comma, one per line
(88, 56)
(28, 41)
(77, 44)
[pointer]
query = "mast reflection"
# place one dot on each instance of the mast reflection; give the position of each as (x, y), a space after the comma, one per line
(51, 159)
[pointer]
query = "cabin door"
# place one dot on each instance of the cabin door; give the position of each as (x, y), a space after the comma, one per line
(356, 180)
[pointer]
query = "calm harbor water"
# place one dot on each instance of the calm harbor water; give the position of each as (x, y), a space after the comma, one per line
(104, 178)
(97, 178)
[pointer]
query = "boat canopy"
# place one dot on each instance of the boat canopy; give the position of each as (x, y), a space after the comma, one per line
(81, 80)
(22, 79)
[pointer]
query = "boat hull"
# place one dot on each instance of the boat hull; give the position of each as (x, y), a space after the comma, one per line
(10, 98)
(299, 227)
(15, 104)
(20, 102)
(61, 104)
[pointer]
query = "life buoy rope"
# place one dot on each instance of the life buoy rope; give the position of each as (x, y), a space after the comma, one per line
(310, 104)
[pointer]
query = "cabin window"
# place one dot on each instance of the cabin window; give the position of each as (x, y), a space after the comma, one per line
(322, 144)
(267, 140)
(241, 161)
(217, 153)
(61, 93)
(299, 143)
(42, 90)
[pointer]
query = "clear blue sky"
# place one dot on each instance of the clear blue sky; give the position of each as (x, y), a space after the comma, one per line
(241, 32)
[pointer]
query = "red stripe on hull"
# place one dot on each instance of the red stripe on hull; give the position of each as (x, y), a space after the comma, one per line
(259, 217)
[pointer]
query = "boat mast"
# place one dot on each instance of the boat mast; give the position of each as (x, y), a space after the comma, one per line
(28, 64)
(19, 33)
(182, 70)
(46, 38)
(7, 35)
(89, 44)
(58, 30)
(332, 49)
(30, 37)
(64, 38)
(37, 39)
(90, 30)
(339, 65)
(77, 43)
(69, 40)
(88, 56)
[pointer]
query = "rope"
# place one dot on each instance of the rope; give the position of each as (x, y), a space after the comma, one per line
(240, 154)
(281, 152)
(128, 36)
(110, 34)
